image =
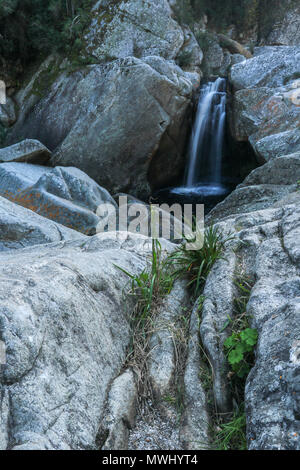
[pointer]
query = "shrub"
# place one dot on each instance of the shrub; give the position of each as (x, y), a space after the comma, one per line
(239, 350)
(30, 28)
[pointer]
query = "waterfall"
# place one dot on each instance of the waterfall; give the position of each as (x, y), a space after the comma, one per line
(203, 180)
(206, 144)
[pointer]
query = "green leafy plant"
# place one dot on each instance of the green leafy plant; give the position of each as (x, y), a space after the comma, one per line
(196, 264)
(239, 349)
(239, 346)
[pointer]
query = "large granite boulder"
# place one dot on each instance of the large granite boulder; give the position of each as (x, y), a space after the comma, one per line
(133, 28)
(66, 329)
(20, 228)
(66, 195)
(91, 119)
(270, 67)
(124, 119)
(266, 106)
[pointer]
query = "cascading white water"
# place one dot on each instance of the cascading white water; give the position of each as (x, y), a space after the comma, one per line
(203, 179)
(206, 144)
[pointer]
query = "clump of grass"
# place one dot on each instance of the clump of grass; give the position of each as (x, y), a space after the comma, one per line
(196, 264)
(231, 435)
(148, 289)
(176, 399)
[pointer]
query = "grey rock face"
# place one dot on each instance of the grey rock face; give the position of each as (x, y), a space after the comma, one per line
(273, 146)
(194, 432)
(190, 55)
(271, 67)
(264, 187)
(273, 385)
(121, 411)
(65, 195)
(129, 28)
(267, 234)
(266, 102)
(286, 32)
(28, 151)
(162, 357)
(216, 61)
(216, 310)
(65, 326)
(92, 119)
(20, 228)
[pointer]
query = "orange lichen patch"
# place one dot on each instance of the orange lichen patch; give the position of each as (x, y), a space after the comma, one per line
(40, 203)
(275, 125)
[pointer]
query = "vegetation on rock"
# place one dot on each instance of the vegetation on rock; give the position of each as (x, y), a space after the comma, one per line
(196, 264)
(244, 15)
(33, 28)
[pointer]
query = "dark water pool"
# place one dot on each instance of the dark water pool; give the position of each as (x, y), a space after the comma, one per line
(209, 194)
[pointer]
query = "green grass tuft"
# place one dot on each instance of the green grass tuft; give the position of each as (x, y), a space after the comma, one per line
(197, 264)
(231, 435)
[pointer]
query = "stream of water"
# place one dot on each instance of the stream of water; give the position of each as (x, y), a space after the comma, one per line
(203, 175)
(207, 139)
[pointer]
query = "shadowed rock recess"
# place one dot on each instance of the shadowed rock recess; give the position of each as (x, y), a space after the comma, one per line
(110, 116)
